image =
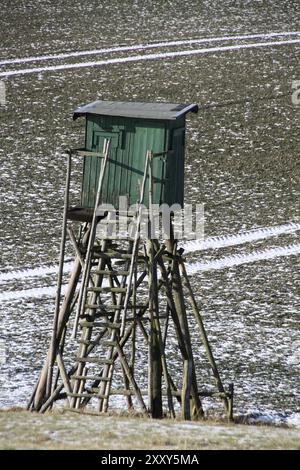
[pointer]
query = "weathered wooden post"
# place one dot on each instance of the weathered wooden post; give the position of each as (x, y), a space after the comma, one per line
(112, 309)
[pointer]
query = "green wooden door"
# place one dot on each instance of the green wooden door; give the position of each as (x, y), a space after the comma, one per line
(148, 135)
(92, 167)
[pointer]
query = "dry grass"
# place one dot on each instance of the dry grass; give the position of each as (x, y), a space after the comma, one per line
(20, 429)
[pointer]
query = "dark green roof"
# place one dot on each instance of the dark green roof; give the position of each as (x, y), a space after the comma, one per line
(161, 111)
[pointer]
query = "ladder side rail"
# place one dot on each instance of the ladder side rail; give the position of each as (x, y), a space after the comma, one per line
(135, 243)
(83, 292)
(53, 344)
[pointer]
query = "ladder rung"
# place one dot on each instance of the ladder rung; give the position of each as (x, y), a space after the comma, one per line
(161, 317)
(111, 307)
(112, 255)
(86, 395)
(121, 392)
(121, 290)
(104, 315)
(95, 360)
(103, 307)
(108, 343)
(113, 249)
(96, 391)
(101, 314)
(103, 324)
(90, 377)
(81, 395)
(87, 342)
(121, 239)
(106, 272)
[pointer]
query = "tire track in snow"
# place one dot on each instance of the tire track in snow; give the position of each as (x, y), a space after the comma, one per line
(190, 246)
(139, 58)
(224, 241)
(34, 272)
(236, 260)
(35, 293)
(192, 268)
(158, 45)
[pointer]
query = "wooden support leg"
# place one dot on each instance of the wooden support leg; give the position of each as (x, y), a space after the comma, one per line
(185, 399)
(64, 313)
(155, 366)
(63, 374)
(203, 334)
(189, 379)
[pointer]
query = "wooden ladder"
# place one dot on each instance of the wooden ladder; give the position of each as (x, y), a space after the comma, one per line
(100, 324)
(93, 312)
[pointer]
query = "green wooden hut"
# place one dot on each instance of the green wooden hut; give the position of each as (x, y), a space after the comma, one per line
(133, 129)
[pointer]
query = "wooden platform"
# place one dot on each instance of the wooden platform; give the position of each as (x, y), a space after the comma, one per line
(82, 214)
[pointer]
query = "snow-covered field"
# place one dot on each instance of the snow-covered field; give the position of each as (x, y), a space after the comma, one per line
(238, 63)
